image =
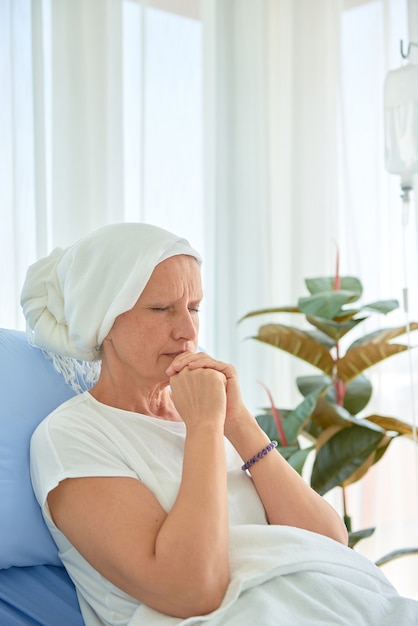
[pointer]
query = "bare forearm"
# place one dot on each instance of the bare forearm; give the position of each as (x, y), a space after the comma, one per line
(193, 539)
(286, 497)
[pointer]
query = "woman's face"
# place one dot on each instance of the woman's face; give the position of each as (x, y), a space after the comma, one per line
(163, 322)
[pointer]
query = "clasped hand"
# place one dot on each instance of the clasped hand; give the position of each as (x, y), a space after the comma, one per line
(204, 388)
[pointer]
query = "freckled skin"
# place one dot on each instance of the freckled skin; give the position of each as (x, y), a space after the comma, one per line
(144, 341)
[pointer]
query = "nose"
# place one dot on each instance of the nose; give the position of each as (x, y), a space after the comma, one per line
(186, 325)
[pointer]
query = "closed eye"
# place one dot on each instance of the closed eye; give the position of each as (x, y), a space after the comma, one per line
(192, 308)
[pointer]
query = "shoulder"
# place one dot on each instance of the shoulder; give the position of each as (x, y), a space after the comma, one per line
(78, 439)
(79, 413)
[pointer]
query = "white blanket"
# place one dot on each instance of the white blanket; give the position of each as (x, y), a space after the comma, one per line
(283, 575)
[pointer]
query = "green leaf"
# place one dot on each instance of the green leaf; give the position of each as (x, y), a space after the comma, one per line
(320, 284)
(395, 554)
(382, 448)
(342, 455)
(328, 413)
(288, 451)
(293, 423)
(298, 458)
(345, 420)
(373, 458)
(297, 343)
(322, 338)
(383, 335)
(358, 359)
(352, 283)
(334, 328)
(391, 424)
(311, 384)
(326, 304)
(357, 395)
(381, 306)
(266, 422)
(270, 311)
(358, 535)
(326, 283)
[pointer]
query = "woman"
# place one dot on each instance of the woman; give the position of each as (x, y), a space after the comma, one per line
(140, 479)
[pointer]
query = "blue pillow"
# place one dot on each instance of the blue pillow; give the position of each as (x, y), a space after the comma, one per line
(43, 595)
(30, 388)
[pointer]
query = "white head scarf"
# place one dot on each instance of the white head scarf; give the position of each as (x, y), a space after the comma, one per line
(72, 297)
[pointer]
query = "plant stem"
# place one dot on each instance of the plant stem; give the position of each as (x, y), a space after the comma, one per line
(339, 385)
(347, 518)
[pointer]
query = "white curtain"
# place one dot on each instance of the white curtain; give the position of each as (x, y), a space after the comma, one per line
(270, 164)
(100, 122)
(294, 165)
(62, 132)
(17, 205)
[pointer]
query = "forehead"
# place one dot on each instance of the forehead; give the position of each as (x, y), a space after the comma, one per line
(177, 275)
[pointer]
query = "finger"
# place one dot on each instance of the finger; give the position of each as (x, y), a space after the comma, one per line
(208, 362)
(179, 362)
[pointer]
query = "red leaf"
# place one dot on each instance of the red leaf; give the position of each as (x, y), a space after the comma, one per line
(277, 418)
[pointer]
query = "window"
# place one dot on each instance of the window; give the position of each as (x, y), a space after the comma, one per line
(101, 122)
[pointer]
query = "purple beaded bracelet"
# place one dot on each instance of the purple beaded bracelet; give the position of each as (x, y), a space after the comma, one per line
(260, 455)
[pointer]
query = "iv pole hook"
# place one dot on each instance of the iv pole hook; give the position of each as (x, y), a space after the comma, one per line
(408, 50)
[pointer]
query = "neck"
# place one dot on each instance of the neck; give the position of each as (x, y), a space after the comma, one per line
(154, 401)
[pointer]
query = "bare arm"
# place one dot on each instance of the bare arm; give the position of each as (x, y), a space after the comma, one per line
(164, 560)
(286, 497)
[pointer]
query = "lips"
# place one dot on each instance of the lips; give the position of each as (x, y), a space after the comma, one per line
(172, 355)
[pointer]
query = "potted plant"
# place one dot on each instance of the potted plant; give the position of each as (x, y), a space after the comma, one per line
(344, 441)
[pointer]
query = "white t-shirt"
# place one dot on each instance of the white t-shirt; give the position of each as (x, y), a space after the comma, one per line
(86, 438)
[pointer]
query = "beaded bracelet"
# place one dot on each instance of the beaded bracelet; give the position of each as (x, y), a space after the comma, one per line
(260, 455)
